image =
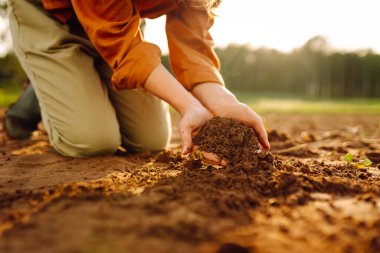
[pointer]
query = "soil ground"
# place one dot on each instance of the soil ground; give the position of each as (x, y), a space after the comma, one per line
(303, 198)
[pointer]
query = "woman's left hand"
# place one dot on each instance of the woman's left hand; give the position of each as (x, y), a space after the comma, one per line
(221, 102)
(248, 117)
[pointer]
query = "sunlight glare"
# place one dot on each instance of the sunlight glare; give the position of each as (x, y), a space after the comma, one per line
(285, 25)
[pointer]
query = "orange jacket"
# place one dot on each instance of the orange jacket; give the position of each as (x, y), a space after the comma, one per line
(113, 28)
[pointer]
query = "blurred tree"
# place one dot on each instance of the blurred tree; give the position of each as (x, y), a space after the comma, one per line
(3, 5)
(312, 54)
(313, 70)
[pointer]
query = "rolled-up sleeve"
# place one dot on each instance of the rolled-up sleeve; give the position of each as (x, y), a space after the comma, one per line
(192, 56)
(113, 28)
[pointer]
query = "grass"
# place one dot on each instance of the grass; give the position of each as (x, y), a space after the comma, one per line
(291, 104)
(8, 96)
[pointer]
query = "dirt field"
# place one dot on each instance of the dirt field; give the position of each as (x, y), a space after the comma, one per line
(303, 198)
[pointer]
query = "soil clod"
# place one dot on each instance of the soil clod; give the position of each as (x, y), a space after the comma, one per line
(229, 139)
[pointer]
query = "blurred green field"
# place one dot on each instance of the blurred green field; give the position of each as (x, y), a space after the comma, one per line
(277, 103)
(7, 96)
(281, 103)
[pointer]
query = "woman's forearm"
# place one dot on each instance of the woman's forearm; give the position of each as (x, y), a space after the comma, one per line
(213, 95)
(163, 85)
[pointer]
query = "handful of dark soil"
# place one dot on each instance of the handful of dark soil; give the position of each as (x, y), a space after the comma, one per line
(229, 139)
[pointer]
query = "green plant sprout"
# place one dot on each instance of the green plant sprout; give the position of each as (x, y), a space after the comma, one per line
(348, 158)
(366, 162)
(361, 164)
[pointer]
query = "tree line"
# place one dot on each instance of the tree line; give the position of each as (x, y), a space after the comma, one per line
(313, 70)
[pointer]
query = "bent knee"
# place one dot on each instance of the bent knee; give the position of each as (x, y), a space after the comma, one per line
(149, 141)
(85, 142)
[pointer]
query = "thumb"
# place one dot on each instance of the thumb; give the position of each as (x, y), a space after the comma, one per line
(186, 140)
(261, 135)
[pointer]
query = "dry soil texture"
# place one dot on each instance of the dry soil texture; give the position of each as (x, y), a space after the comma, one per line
(300, 198)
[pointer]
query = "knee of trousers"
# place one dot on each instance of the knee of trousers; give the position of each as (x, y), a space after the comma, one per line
(154, 140)
(86, 142)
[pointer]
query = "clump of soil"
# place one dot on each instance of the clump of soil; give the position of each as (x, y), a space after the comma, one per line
(275, 135)
(374, 156)
(229, 139)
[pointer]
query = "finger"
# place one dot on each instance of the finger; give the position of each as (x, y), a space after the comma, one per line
(210, 161)
(262, 135)
(214, 158)
(186, 140)
(195, 132)
(222, 163)
(211, 156)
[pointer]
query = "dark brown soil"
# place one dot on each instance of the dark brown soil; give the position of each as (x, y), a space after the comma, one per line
(229, 139)
(164, 202)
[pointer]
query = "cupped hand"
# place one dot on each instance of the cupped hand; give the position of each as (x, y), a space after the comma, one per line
(192, 120)
(221, 102)
(195, 117)
(247, 116)
(189, 126)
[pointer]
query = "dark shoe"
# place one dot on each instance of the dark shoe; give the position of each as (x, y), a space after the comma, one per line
(23, 116)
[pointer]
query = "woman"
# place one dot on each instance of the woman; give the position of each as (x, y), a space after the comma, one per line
(99, 84)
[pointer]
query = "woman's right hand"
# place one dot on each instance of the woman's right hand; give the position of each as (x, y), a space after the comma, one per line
(192, 120)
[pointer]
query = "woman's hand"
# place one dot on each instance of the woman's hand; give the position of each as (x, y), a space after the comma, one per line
(209, 100)
(245, 115)
(190, 124)
(194, 115)
(221, 102)
(192, 120)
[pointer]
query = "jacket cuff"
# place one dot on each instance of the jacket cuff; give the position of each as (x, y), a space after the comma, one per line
(201, 74)
(136, 66)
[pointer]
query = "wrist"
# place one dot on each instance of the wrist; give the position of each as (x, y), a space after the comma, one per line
(188, 103)
(214, 96)
(163, 85)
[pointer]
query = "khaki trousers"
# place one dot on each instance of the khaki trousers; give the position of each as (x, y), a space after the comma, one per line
(83, 115)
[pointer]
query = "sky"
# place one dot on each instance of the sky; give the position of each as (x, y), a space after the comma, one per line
(284, 24)
(287, 24)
